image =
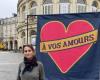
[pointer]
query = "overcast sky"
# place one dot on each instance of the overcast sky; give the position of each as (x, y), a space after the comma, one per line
(7, 7)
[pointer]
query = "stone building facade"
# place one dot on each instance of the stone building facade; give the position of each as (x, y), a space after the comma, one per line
(9, 33)
(1, 32)
(42, 7)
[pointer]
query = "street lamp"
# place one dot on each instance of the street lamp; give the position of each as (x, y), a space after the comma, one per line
(28, 16)
(27, 28)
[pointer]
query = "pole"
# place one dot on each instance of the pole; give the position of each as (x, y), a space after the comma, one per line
(27, 29)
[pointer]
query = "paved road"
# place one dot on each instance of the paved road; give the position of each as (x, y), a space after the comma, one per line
(9, 62)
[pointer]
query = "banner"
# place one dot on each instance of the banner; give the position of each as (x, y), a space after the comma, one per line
(68, 45)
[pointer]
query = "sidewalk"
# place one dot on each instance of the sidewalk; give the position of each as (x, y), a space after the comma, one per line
(9, 63)
(10, 52)
(5, 51)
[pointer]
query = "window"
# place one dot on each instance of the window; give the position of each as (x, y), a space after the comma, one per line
(23, 37)
(24, 14)
(33, 37)
(81, 1)
(94, 6)
(5, 22)
(2, 22)
(64, 1)
(47, 7)
(32, 32)
(64, 6)
(81, 6)
(33, 8)
(23, 34)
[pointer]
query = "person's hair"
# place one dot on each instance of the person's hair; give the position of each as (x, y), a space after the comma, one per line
(28, 45)
(29, 64)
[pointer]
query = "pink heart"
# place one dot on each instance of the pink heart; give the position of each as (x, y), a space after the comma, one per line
(55, 30)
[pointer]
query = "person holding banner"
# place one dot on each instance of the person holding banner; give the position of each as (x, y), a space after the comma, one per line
(30, 68)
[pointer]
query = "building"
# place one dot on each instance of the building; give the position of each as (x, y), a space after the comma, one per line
(9, 33)
(1, 35)
(1, 30)
(38, 7)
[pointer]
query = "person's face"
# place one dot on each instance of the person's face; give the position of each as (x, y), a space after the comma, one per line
(28, 53)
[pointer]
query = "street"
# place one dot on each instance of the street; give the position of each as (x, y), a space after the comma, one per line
(9, 62)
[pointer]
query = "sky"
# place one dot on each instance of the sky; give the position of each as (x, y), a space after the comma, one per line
(7, 7)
